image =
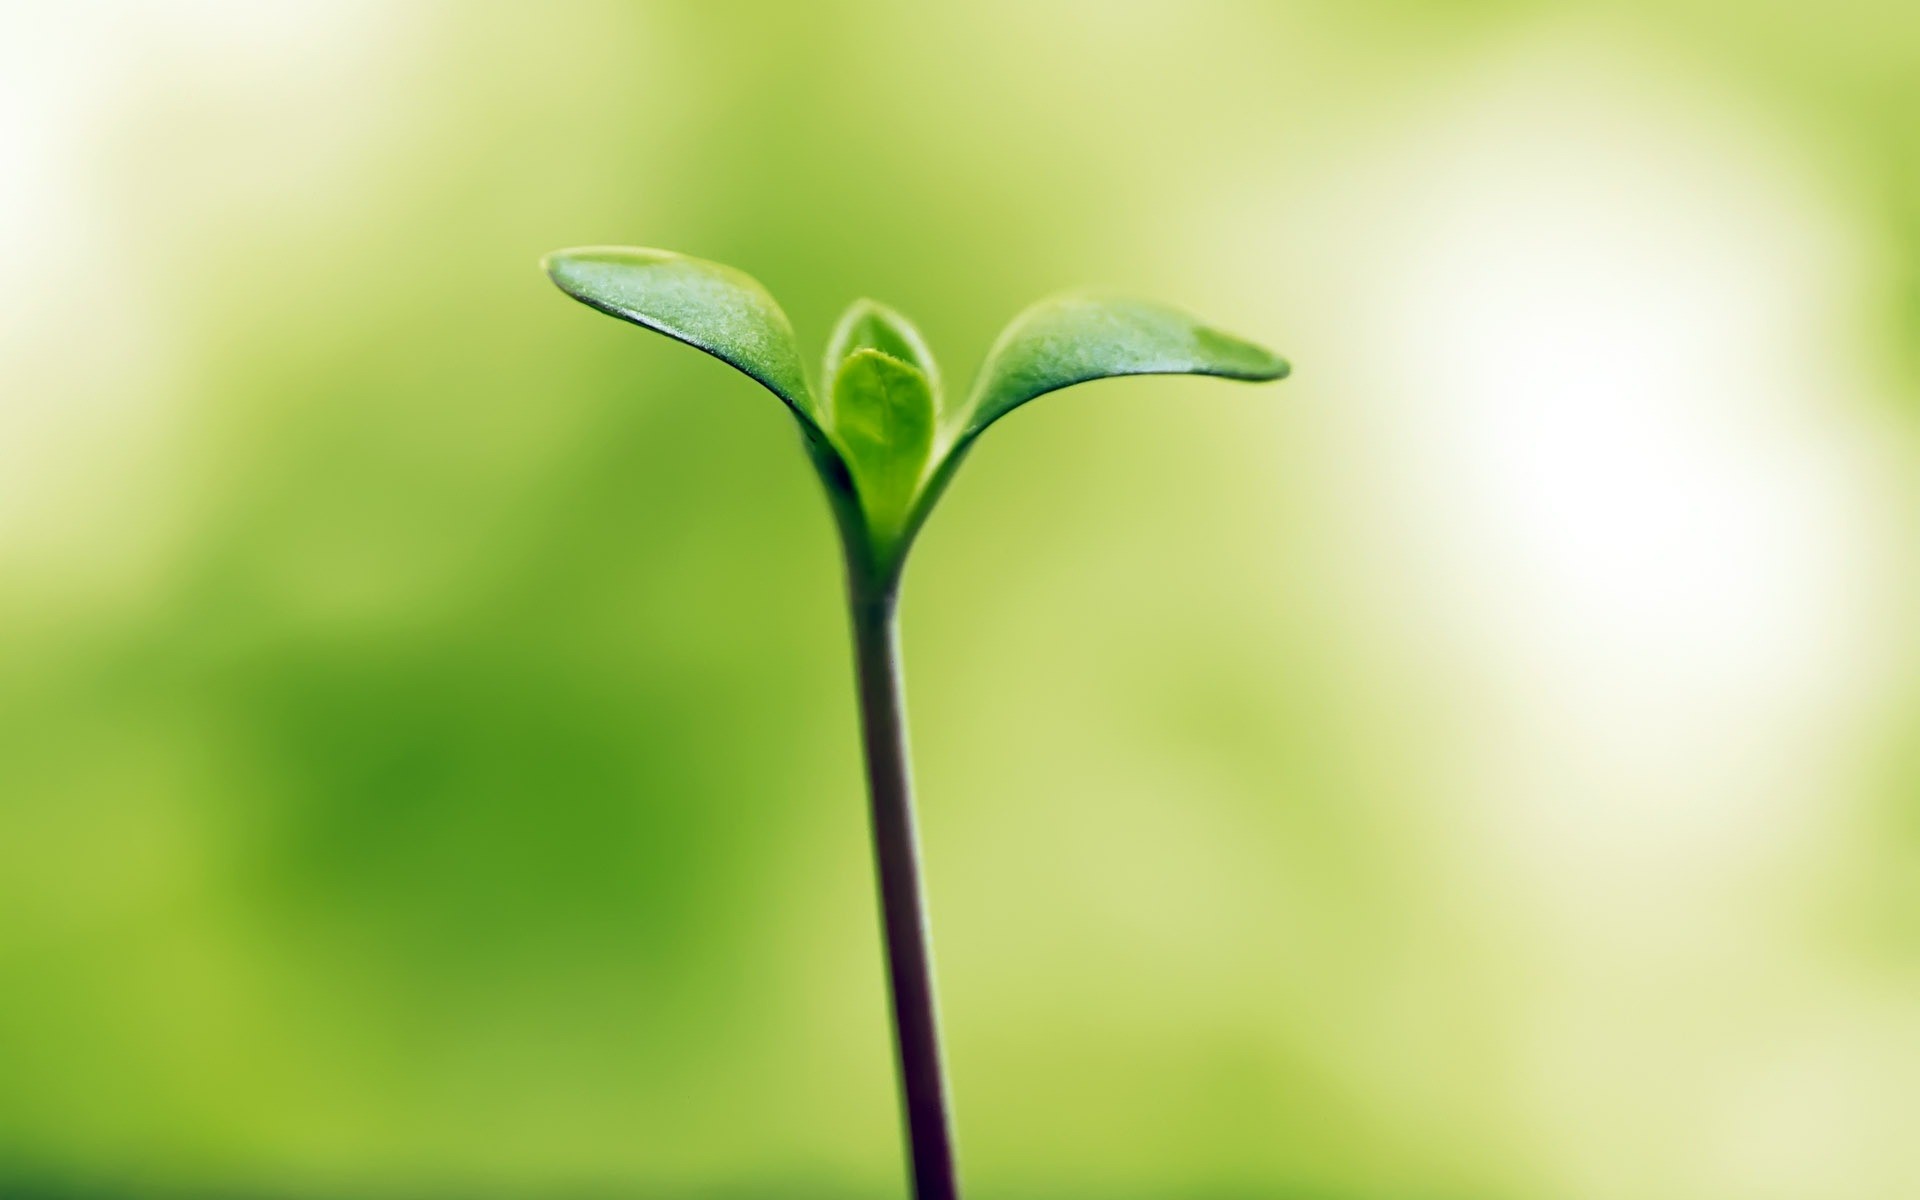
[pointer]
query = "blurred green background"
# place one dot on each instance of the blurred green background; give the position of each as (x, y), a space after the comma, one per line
(1485, 766)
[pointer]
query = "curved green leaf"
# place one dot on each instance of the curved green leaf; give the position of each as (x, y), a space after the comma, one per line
(707, 305)
(883, 419)
(1077, 338)
(871, 325)
(879, 437)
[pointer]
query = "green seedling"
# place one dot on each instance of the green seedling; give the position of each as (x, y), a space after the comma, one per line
(886, 441)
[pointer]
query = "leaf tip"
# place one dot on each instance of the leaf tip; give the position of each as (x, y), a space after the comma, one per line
(1272, 369)
(563, 266)
(1237, 358)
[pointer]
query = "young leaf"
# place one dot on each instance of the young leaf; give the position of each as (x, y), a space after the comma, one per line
(883, 416)
(871, 325)
(1076, 338)
(704, 304)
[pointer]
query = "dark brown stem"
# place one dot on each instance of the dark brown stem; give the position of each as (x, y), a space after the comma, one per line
(903, 911)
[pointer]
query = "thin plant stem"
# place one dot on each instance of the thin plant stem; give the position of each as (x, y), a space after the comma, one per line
(896, 852)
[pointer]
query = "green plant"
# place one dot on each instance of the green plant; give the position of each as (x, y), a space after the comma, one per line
(886, 443)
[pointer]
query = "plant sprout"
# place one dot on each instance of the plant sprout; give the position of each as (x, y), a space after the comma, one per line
(886, 441)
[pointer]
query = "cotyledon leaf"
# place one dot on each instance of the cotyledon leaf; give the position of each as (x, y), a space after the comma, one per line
(1081, 337)
(880, 435)
(871, 325)
(883, 417)
(707, 305)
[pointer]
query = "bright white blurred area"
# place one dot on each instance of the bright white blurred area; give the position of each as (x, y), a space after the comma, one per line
(115, 184)
(1637, 507)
